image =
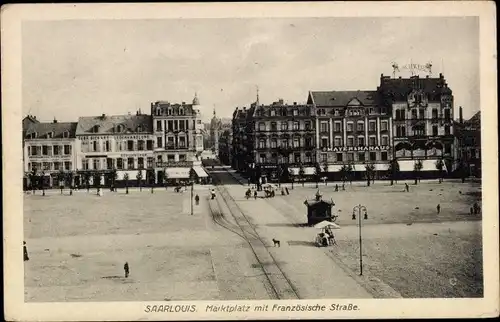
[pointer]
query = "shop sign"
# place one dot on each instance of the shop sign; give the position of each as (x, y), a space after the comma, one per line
(185, 164)
(358, 148)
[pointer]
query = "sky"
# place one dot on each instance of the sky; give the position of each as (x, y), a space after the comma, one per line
(73, 68)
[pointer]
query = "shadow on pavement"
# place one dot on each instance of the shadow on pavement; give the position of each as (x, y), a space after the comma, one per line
(301, 243)
(298, 225)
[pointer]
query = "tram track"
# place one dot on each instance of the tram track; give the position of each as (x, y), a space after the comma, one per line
(280, 284)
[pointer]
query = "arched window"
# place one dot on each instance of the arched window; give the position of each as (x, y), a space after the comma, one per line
(65, 134)
(120, 128)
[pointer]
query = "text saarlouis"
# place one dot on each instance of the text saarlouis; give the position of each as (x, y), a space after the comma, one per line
(170, 308)
(227, 308)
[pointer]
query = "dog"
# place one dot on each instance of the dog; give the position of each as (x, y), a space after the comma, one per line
(276, 243)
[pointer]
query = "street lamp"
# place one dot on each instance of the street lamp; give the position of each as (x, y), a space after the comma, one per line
(360, 209)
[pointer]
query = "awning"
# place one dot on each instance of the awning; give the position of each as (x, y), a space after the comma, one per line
(177, 173)
(307, 171)
(427, 165)
(200, 172)
(132, 174)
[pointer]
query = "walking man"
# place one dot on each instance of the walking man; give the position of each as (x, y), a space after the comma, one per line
(255, 194)
(126, 269)
(407, 188)
(25, 250)
(336, 187)
(438, 208)
(197, 199)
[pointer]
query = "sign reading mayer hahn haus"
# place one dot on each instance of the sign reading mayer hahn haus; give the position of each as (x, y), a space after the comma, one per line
(358, 148)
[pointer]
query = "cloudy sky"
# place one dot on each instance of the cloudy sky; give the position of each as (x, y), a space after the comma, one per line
(80, 67)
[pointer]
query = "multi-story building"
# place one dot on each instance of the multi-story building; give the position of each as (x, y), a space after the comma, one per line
(124, 143)
(239, 152)
(179, 141)
(225, 147)
(351, 128)
(422, 121)
(468, 135)
(49, 148)
(281, 138)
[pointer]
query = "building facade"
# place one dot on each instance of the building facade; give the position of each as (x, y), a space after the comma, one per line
(225, 147)
(239, 151)
(468, 135)
(351, 129)
(124, 143)
(178, 135)
(49, 148)
(422, 122)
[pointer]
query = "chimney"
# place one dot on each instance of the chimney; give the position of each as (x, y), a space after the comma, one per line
(103, 116)
(294, 103)
(183, 103)
(460, 115)
(55, 120)
(280, 101)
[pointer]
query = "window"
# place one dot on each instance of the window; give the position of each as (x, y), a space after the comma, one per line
(45, 150)
(338, 141)
(262, 158)
(273, 113)
(67, 149)
(296, 142)
(46, 165)
(274, 143)
(371, 126)
(350, 156)
(434, 113)
(373, 156)
(339, 157)
(262, 126)
(65, 134)
(400, 115)
(107, 146)
(85, 164)
(262, 144)
(324, 143)
(400, 130)
(159, 142)
(372, 141)
(385, 140)
(176, 125)
(140, 162)
(324, 157)
(324, 127)
(361, 141)
(57, 150)
(383, 126)
(421, 113)
(109, 163)
(307, 125)
(447, 114)
(336, 126)
(361, 126)
(308, 142)
(383, 156)
(414, 114)
(284, 126)
(158, 125)
(182, 157)
(284, 143)
(170, 158)
(140, 145)
(446, 130)
(349, 127)
(130, 163)
(447, 148)
(308, 158)
(95, 164)
(149, 145)
(159, 159)
(130, 145)
(67, 165)
(296, 125)
(170, 142)
(361, 156)
(170, 125)
(434, 130)
(350, 141)
(182, 142)
(296, 157)
(274, 127)
(295, 112)
(57, 166)
(419, 130)
(150, 162)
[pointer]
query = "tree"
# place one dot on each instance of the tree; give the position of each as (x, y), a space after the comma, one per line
(33, 179)
(317, 173)
(370, 172)
(417, 168)
(439, 167)
(139, 179)
(394, 170)
(302, 174)
(126, 178)
(60, 177)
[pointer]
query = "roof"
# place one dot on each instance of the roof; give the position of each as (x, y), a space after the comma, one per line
(43, 129)
(111, 124)
(314, 202)
(401, 87)
(475, 120)
(342, 98)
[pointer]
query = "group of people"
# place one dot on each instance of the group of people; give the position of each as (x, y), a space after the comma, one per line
(326, 237)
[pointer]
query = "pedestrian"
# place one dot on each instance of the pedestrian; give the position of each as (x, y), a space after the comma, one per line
(438, 208)
(213, 194)
(126, 269)
(407, 187)
(197, 199)
(255, 194)
(282, 191)
(25, 250)
(287, 192)
(336, 187)
(343, 186)
(471, 211)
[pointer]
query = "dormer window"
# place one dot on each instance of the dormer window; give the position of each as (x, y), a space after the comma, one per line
(95, 129)
(181, 111)
(295, 112)
(169, 111)
(273, 113)
(139, 128)
(50, 135)
(65, 134)
(120, 128)
(158, 111)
